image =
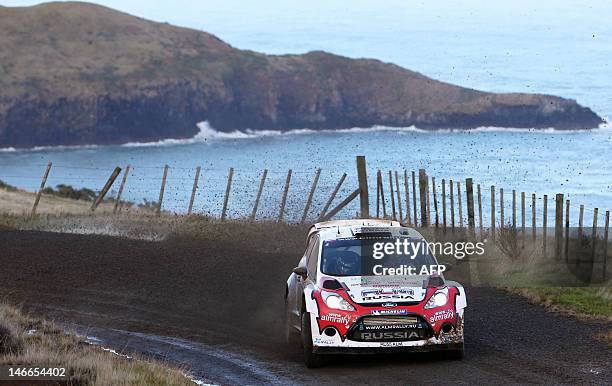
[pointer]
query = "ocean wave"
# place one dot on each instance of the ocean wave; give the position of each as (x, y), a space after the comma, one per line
(206, 133)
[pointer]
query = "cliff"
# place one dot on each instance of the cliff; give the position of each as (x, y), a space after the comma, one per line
(77, 73)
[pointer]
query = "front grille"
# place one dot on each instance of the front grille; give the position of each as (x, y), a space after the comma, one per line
(389, 328)
(389, 320)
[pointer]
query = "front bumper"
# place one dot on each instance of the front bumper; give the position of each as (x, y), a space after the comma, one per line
(342, 344)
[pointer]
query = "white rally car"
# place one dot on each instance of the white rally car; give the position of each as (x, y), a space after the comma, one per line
(344, 297)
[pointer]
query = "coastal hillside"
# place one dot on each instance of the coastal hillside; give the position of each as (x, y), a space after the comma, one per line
(78, 73)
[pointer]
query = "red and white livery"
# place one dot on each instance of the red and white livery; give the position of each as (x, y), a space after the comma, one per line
(341, 300)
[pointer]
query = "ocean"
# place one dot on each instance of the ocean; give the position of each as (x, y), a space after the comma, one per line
(560, 48)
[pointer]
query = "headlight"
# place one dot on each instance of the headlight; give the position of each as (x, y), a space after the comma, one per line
(336, 302)
(437, 300)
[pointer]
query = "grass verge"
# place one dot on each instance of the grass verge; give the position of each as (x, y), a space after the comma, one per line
(30, 342)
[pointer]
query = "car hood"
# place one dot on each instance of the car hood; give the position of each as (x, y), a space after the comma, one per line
(380, 289)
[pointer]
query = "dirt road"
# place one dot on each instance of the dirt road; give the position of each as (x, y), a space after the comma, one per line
(230, 297)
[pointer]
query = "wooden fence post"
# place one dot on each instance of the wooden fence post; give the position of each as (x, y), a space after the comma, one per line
(594, 234)
(281, 212)
(423, 192)
(121, 187)
(444, 204)
(362, 177)
(399, 198)
(194, 190)
(378, 194)
(567, 225)
(340, 206)
(513, 209)
(459, 204)
(427, 199)
(333, 195)
(523, 213)
(43, 182)
(435, 198)
(493, 212)
(479, 209)
(161, 191)
(605, 253)
(382, 192)
(259, 192)
(452, 204)
(310, 195)
(392, 194)
(469, 191)
(106, 188)
(228, 190)
(501, 209)
(580, 221)
(558, 224)
(533, 216)
(545, 224)
(408, 219)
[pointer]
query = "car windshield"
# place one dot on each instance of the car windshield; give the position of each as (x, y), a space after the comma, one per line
(374, 256)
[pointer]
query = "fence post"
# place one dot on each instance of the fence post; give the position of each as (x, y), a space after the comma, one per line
(435, 198)
(228, 190)
(514, 209)
(594, 234)
(452, 204)
(106, 188)
(331, 198)
(310, 195)
(501, 209)
(259, 192)
(281, 212)
(120, 192)
(423, 192)
(194, 190)
(493, 212)
(378, 194)
(340, 206)
(444, 204)
(605, 256)
(362, 176)
(161, 190)
(43, 182)
(533, 216)
(391, 193)
(459, 204)
(414, 199)
(558, 224)
(427, 199)
(469, 191)
(580, 221)
(399, 198)
(545, 224)
(479, 209)
(382, 192)
(523, 213)
(407, 197)
(567, 225)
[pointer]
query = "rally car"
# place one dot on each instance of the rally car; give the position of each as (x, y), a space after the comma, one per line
(348, 296)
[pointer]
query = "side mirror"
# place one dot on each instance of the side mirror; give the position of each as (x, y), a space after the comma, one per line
(300, 271)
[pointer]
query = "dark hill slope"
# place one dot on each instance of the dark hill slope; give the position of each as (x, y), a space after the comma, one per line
(77, 73)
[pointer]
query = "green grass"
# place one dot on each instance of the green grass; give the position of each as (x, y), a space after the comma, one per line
(583, 301)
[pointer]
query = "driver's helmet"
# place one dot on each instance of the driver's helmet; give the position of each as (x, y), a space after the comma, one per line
(347, 263)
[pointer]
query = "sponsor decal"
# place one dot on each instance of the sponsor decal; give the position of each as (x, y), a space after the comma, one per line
(390, 335)
(322, 341)
(392, 327)
(337, 318)
(389, 312)
(389, 304)
(393, 291)
(386, 297)
(441, 315)
(391, 344)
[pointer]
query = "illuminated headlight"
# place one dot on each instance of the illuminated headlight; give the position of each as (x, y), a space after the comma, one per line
(438, 299)
(336, 302)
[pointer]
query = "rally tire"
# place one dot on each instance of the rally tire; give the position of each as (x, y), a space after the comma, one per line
(311, 359)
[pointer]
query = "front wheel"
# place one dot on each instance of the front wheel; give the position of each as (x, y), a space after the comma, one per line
(311, 359)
